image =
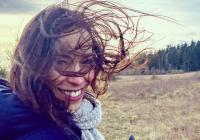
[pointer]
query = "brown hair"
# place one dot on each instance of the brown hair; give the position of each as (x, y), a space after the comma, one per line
(34, 53)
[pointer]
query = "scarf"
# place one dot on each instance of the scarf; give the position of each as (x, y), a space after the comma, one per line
(87, 117)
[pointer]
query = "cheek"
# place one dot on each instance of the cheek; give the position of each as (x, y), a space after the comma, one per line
(91, 75)
(53, 74)
(54, 77)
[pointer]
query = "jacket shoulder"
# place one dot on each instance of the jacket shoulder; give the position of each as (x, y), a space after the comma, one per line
(19, 122)
(4, 86)
(50, 132)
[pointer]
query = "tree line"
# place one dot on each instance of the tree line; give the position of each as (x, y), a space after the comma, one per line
(184, 57)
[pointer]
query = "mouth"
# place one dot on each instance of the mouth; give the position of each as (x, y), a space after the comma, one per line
(72, 95)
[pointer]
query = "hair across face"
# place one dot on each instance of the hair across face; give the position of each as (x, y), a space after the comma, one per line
(73, 42)
(74, 48)
(73, 68)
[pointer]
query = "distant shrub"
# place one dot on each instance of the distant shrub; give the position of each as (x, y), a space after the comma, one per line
(197, 75)
(154, 77)
(3, 72)
(176, 71)
(114, 78)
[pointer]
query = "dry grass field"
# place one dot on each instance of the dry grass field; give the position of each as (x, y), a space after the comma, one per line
(161, 107)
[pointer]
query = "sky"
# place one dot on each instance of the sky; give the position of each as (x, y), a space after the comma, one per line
(14, 14)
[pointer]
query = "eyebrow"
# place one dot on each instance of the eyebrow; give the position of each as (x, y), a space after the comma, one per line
(61, 47)
(86, 41)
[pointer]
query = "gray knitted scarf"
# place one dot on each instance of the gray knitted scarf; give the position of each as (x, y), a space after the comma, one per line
(87, 117)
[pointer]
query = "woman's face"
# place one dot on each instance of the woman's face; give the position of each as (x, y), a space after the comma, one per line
(73, 59)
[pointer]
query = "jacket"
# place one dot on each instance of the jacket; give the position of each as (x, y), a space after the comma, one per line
(19, 122)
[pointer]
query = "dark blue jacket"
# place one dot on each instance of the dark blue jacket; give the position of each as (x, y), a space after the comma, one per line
(19, 122)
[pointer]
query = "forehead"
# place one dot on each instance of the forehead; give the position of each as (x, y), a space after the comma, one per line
(79, 40)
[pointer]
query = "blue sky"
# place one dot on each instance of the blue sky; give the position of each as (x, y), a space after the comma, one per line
(14, 15)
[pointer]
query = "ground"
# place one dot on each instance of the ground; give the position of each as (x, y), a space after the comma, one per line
(158, 107)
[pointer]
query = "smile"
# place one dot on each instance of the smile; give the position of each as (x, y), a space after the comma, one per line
(71, 93)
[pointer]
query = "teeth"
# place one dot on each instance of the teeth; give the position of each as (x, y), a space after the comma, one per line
(73, 93)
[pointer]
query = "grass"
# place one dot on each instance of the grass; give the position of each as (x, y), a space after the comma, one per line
(163, 108)
(3, 72)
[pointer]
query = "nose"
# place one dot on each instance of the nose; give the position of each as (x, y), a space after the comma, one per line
(77, 67)
(76, 81)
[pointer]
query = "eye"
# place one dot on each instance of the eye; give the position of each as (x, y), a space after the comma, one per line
(89, 60)
(61, 62)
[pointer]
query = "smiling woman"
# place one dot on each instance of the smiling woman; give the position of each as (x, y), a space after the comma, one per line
(61, 64)
(73, 71)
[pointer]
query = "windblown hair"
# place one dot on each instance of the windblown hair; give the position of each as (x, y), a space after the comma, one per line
(114, 34)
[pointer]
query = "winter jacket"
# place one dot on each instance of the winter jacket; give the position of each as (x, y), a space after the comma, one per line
(19, 122)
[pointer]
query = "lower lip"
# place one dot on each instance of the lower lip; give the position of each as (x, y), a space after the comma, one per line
(74, 99)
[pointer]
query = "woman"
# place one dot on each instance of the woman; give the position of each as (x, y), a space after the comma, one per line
(61, 64)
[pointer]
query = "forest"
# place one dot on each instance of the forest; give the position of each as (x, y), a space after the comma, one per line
(182, 57)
